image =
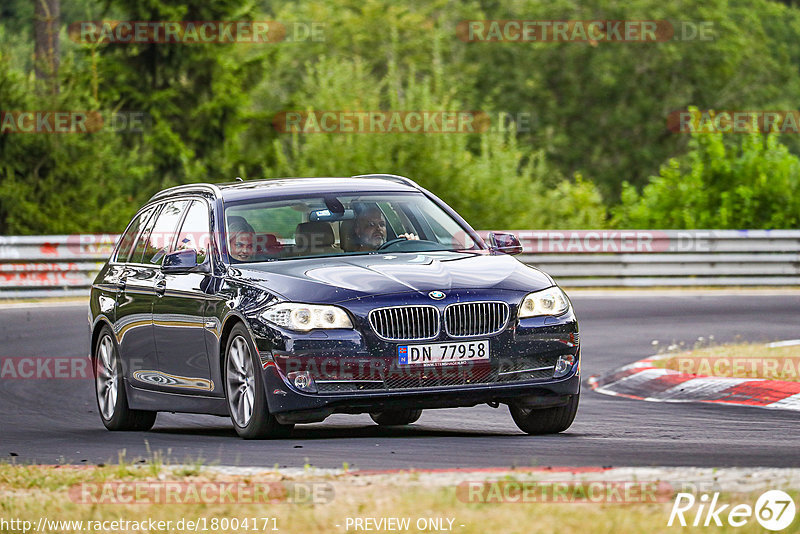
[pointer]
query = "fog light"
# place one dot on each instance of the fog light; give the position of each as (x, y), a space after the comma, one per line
(564, 365)
(303, 381)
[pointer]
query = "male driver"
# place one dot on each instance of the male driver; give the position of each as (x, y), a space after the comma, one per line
(370, 230)
(241, 239)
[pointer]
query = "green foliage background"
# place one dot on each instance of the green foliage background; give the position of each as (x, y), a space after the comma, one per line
(595, 154)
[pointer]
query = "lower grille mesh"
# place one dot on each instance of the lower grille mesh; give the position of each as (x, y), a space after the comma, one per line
(517, 369)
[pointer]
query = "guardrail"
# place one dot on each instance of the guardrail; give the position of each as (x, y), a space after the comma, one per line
(646, 258)
(52, 265)
(63, 265)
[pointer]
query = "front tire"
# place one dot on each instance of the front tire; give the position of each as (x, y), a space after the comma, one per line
(112, 401)
(396, 417)
(538, 421)
(245, 392)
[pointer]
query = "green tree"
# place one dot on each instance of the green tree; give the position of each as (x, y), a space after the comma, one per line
(752, 184)
(494, 187)
(63, 183)
(601, 108)
(195, 94)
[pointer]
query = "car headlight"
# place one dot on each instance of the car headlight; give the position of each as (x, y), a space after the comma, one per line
(305, 317)
(550, 301)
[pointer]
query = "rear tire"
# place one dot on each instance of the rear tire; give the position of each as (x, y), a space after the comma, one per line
(112, 401)
(396, 417)
(537, 421)
(245, 392)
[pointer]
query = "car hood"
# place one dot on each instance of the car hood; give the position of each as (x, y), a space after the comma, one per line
(336, 279)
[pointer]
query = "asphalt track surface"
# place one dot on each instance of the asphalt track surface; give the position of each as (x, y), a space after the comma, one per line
(56, 420)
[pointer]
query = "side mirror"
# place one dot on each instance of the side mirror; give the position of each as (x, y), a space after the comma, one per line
(504, 243)
(180, 261)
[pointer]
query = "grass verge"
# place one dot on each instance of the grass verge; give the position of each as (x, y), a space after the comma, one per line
(30, 493)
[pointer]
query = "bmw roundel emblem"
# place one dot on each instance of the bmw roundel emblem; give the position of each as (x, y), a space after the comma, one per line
(436, 295)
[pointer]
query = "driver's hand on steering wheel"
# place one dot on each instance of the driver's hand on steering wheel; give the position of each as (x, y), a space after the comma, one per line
(409, 236)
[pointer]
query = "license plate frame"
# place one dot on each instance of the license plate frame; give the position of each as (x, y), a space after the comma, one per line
(443, 353)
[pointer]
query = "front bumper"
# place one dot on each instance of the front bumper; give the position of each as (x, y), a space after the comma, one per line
(355, 369)
(294, 407)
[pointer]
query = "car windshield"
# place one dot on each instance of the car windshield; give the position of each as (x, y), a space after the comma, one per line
(335, 225)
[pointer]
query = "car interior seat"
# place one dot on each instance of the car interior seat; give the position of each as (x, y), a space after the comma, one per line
(347, 235)
(312, 238)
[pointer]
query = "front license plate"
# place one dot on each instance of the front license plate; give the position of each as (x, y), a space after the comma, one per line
(443, 353)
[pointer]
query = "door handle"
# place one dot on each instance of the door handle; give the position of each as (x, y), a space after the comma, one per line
(161, 287)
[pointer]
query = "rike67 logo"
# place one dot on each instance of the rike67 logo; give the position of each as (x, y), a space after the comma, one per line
(774, 510)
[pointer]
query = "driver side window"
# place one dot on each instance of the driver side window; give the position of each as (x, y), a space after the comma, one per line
(396, 220)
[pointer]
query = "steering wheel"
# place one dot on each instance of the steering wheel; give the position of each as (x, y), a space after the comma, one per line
(391, 242)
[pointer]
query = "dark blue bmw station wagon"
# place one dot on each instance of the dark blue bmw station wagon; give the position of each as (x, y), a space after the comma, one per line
(283, 301)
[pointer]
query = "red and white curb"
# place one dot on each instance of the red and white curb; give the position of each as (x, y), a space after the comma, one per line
(641, 380)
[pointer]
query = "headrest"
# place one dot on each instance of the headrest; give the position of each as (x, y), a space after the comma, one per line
(347, 235)
(238, 224)
(267, 243)
(313, 235)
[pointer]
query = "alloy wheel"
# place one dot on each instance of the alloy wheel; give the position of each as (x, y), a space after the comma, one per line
(107, 380)
(241, 381)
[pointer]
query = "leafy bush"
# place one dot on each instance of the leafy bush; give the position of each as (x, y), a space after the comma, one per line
(597, 112)
(63, 183)
(751, 184)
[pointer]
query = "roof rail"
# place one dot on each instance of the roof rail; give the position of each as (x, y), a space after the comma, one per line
(187, 188)
(392, 177)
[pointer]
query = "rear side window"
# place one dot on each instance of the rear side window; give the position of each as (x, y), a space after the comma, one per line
(159, 243)
(195, 232)
(138, 252)
(130, 235)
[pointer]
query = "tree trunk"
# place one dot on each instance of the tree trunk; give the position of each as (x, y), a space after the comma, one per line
(45, 33)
